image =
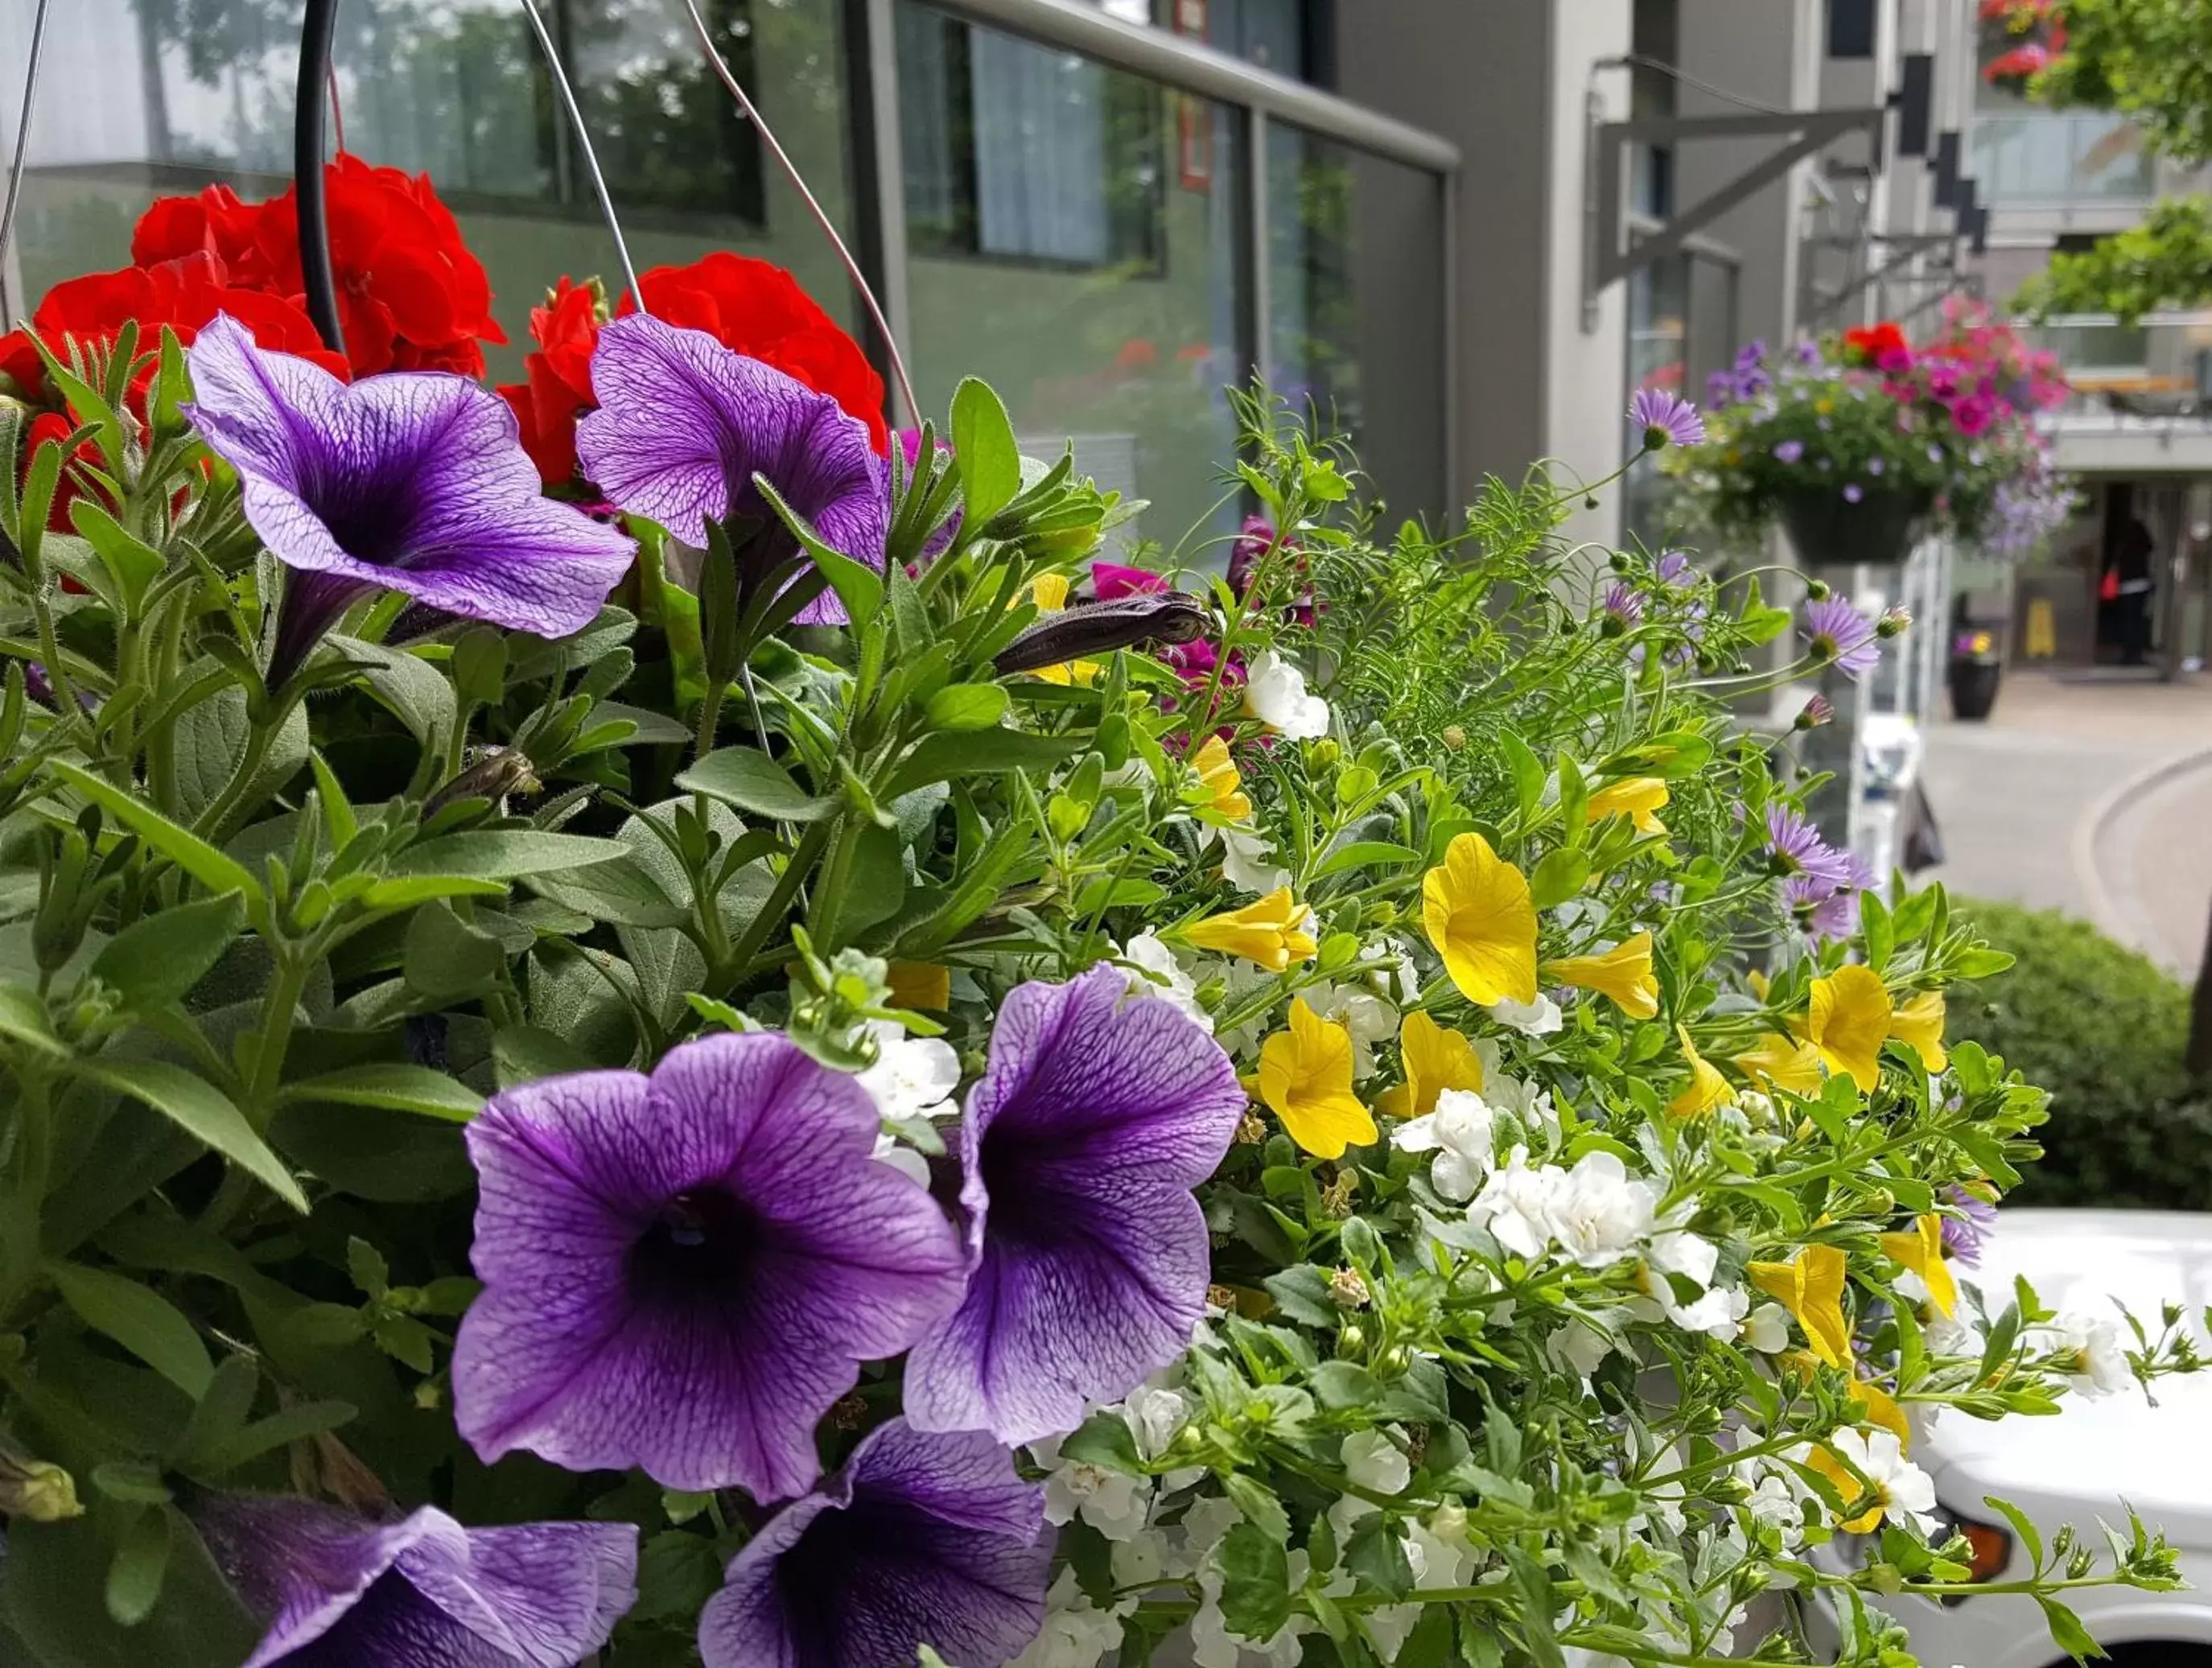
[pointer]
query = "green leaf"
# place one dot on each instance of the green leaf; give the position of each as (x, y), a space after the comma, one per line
(2067, 1632)
(1429, 1646)
(747, 779)
(860, 588)
(1262, 1510)
(132, 1483)
(156, 960)
(967, 707)
(366, 1267)
(1105, 1439)
(1574, 798)
(23, 1019)
(202, 1110)
(1528, 773)
(1255, 1582)
(1339, 1386)
(505, 854)
(294, 1423)
(940, 758)
(448, 960)
(2022, 1525)
(395, 1087)
(205, 864)
(875, 886)
(414, 690)
(620, 890)
(409, 890)
(1375, 1553)
(222, 1411)
(1369, 854)
(1558, 874)
(142, 1564)
(142, 1320)
(133, 563)
(677, 1572)
(1881, 932)
(984, 451)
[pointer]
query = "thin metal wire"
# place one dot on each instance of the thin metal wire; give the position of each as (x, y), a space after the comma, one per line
(1645, 61)
(729, 80)
(584, 138)
(22, 155)
(337, 116)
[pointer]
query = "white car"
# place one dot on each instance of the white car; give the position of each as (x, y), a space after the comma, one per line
(2077, 1466)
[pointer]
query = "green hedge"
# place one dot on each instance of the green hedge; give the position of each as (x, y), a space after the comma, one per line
(2102, 1028)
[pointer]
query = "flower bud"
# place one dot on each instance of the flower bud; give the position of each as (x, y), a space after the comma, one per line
(1086, 629)
(1448, 1523)
(1893, 622)
(36, 1490)
(1611, 626)
(1352, 1342)
(1817, 590)
(1454, 738)
(1818, 710)
(1396, 1359)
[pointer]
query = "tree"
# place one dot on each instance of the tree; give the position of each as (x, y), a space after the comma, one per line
(2165, 262)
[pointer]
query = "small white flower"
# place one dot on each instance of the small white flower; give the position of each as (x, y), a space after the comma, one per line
(1539, 1018)
(1773, 1501)
(1516, 1205)
(1074, 1634)
(1677, 1252)
(1154, 1417)
(1436, 1563)
(2099, 1365)
(1718, 1313)
(1903, 1489)
(913, 1077)
(1599, 1213)
(1163, 976)
(1113, 1504)
(1766, 1329)
(1205, 1521)
(1275, 693)
(1390, 963)
(1376, 1463)
(1579, 1347)
(1244, 862)
(1462, 1132)
(906, 1161)
(1366, 1016)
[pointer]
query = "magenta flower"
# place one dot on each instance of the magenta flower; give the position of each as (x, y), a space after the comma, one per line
(1094, 1120)
(423, 1592)
(1253, 543)
(1666, 418)
(1973, 415)
(685, 425)
(412, 481)
(1838, 633)
(919, 1540)
(682, 1272)
(1795, 848)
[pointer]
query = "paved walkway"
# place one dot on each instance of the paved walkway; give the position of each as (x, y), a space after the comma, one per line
(2095, 798)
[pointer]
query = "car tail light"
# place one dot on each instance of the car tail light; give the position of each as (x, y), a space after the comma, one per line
(1989, 1546)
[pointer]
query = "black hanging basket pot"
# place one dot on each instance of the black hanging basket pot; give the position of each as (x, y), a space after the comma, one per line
(1828, 529)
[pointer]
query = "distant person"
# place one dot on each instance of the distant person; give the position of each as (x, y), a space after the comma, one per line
(2131, 595)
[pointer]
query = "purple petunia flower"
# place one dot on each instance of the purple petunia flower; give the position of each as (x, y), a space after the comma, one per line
(412, 481)
(1752, 354)
(922, 1539)
(1963, 1234)
(1836, 632)
(1093, 1121)
(684, 424)
(1719, 386)
(1666, 418)
(1794, 847)
(422, 1592)
(683, 1272)
(1823, 909)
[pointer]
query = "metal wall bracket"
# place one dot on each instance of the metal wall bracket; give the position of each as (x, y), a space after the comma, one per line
(1899, 250)
(1613, 250)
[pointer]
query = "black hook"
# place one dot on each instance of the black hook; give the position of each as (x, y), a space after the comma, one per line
(312, 111)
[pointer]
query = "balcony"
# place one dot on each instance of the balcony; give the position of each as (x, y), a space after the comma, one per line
(2141, 401)
(2051, 159)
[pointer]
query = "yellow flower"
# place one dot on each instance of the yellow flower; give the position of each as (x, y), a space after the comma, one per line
(1436, 1058)
(1216, 774)
(1305, 1077)
(1756, 982)
(1049, 592)
(1271, 933)
(1847, 1022)
(1623, 972)
(1483, 922)
(1921, 1250)
(1779, 1063)
(1811, 1286)
(1881, 1409)
(1919, 1025)
(920, 984)
(1707, 1089)
(1635, 797)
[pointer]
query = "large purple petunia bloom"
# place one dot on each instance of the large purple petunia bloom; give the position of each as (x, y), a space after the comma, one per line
(412, 481)
(1666, 418)
(336, 1590)
(683, 1272)
(1093, 1121)
(921, 1539)
(1836, 632)
(684, 424)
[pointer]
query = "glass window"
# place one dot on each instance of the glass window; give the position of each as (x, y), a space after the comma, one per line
(1355, 296)
(1090, 272)
(455, 88)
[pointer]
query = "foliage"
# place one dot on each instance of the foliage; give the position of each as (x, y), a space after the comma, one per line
(2151, 59)
(2164, 261)
(2128, 1126)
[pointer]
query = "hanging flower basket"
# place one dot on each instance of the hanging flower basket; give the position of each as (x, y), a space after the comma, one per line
(1826, 529)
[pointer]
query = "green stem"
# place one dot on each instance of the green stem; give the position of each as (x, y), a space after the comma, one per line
(279, 1012)
(214, 824)
(710, 717)
(779, 900)
(20, 1233)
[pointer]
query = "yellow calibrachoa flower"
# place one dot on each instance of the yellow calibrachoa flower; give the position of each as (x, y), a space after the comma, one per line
(1623, 972)
(1811, 1286)
(1436, 1058)
(925, 985)
(1779, 1063)
(1921, 1250)
(1882, 1408)
(1635, 797)
(1217, 773)
(1305, 1078)
(1707, 1089)
(1919, 1025)
(1271, 933)
(1483, 922)
(1049, 592)
(1847, 1022)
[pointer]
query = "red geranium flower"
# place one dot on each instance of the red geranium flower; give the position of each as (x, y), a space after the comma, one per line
(1866, 343)
(216, 222)
(750, 307)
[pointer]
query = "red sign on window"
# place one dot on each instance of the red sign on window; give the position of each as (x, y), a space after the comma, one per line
(1193, 115)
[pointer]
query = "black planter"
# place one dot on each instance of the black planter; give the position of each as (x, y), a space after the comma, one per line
(1974, 688)
(1826, 529)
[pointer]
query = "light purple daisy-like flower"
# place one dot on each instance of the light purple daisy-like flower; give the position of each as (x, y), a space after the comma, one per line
(1093, 1120)
(922, 1539)
(1853, 492)
(1964, 1235)
(1719, 386)
(412, 481)
(1794, 847)
(1666, 418)
(1823, 909)
(684, 424)
(682, 1272)
(1624, 604)
(1675, 568)
(423, 1592)
(1837, 632)
(1788, 451)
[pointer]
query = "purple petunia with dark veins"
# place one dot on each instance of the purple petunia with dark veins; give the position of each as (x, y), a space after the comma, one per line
(922, 1539)
(683, 1272)
(684, 424)
(1094, 1120)
(339, 1591)
(412, 481)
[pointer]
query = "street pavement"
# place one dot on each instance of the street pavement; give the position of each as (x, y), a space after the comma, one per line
(2086, 795)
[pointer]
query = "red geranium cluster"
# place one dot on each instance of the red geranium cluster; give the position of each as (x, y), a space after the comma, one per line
(2039, 29)
(749, 305)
